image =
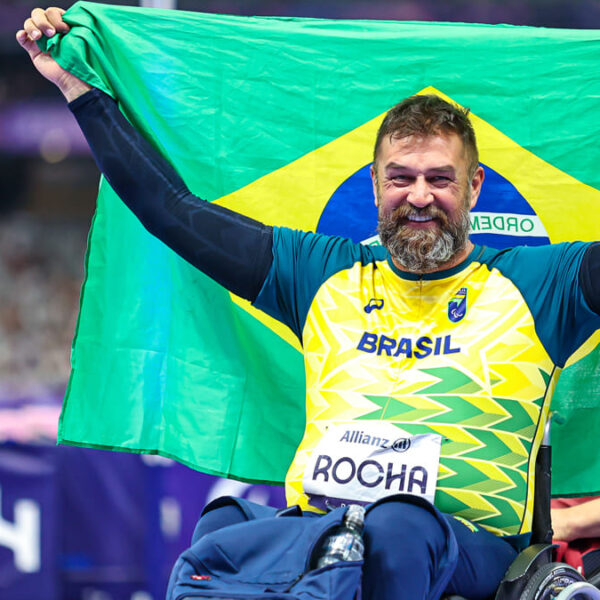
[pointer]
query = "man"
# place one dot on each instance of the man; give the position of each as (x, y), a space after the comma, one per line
(430, 362)
(576, 531)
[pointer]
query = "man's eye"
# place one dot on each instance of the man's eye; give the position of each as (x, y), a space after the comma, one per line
(440, 180)
(400, 178)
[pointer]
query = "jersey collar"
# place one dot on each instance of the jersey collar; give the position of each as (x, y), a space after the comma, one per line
(474, 255)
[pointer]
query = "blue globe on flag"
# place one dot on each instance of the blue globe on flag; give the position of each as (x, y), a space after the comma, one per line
(502, 217)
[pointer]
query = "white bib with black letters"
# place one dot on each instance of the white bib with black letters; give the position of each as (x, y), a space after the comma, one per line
(361, 462)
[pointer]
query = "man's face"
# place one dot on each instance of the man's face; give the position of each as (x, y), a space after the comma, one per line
(424, 195)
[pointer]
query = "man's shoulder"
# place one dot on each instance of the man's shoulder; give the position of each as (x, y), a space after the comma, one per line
(547, 278)
(532, 258)
(543, 274)
(318, 246)
(302, 262)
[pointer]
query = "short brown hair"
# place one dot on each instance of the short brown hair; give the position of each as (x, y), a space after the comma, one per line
(426, 115)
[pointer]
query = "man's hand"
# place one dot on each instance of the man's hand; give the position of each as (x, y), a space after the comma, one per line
(576, 522)
(48, 22)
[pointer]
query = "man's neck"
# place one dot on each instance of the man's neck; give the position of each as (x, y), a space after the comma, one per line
(459, 257)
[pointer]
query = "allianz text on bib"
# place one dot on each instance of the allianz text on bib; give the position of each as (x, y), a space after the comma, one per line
(363, 462)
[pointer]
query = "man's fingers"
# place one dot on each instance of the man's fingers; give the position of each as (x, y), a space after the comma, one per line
(32, 31)
(23, 38)
(48, 21)
(27, 43)
(54, 15)
(40, 22)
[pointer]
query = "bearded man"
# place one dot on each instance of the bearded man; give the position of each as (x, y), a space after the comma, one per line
(426, 177)
(429, 361)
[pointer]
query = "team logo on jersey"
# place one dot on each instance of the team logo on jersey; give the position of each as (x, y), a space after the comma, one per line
(373, 304)
(457, 307)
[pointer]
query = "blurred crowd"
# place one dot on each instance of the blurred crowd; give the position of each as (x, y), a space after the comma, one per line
(41, 270)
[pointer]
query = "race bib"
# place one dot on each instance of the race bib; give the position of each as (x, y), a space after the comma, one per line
(361, 462)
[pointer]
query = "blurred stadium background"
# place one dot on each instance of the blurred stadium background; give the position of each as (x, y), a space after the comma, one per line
(79, 524)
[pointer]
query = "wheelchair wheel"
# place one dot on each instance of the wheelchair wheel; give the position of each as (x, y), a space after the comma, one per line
(549, 581)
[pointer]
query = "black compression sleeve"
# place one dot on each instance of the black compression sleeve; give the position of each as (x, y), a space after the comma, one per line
(589, 277)
(232, 249)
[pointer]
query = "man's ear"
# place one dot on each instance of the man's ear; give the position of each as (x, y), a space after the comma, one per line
(476, 184)
(374, 182)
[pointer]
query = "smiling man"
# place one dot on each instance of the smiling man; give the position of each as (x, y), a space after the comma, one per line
(426, 178)
(430, 362)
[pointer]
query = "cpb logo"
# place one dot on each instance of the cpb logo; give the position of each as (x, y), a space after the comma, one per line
(457, 307)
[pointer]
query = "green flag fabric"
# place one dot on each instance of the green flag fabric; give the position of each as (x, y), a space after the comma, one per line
(275, 118)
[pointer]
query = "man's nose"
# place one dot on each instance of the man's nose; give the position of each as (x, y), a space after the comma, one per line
(420, 194)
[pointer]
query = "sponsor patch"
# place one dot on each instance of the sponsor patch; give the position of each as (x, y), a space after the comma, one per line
(373, 304)
(362, 462)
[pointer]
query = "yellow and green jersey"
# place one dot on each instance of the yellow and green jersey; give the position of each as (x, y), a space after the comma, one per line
(471, 353)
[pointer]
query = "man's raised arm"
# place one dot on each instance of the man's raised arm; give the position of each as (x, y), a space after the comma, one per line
(232, 249)
(47, 23)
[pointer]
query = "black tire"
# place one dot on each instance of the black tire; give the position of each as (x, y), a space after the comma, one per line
(594, 579)
(543, 583)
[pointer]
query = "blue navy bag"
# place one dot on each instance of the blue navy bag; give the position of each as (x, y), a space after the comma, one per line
(265, 558)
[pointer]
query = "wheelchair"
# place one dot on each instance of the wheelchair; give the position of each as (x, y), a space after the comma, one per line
(534, 575)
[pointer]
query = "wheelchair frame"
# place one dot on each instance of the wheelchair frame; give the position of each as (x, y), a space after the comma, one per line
(533, 575)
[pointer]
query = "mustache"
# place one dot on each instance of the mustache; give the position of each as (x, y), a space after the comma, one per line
(404, 211)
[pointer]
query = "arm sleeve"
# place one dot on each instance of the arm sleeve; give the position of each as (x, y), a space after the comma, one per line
(589, 277)
(232, 249)
(302, 262)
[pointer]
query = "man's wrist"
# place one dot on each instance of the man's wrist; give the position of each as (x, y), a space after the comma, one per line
(74, 88)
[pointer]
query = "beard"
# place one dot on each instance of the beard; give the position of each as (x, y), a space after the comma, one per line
(424, 250)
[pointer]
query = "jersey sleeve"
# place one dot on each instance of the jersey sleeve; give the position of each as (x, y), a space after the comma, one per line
(550, 280)
(302, 262)
(232, 249)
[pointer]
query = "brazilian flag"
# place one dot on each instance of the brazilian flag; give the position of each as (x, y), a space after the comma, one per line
(276, 118)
